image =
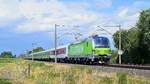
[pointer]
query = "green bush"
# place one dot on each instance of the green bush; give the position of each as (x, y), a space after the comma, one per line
(114, 58)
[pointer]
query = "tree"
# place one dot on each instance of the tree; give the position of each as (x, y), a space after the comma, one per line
(144, 43)
(6, 54)
(38, 49)
(129, 43)
(136, 41)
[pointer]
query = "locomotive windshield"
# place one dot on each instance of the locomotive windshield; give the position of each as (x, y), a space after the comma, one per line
(101, 42)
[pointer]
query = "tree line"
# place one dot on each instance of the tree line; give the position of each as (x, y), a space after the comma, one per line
(34, 50)
(136, 41)
(8, 54)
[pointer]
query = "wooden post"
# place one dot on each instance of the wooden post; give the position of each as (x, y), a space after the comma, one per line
(29, 69)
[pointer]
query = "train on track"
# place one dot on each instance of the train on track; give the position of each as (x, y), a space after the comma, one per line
(94, 49)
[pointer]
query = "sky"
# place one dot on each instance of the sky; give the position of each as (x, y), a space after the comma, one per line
(24, 22)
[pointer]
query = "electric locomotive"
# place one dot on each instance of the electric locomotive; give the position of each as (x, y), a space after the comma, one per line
(95, 49)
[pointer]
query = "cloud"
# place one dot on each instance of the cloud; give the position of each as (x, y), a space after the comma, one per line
(41, 15)
(127, 16)
(45, 14)
(8, 11)
(103, 3)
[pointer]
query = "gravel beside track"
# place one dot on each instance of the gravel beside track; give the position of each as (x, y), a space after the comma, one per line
(142, 67)
(130, 71)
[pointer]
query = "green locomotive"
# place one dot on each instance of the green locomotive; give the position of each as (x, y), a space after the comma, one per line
(95, 48)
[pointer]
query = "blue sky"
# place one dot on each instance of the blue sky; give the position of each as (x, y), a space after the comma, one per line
(23, 22)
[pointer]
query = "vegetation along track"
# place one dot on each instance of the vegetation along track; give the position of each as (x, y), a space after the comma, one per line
(137, 70)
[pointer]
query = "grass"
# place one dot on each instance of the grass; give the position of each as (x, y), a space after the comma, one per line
(5, 81)
(7, 60)
(17, 72)
(122, 78)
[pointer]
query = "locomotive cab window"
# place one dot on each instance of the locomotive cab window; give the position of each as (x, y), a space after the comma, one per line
(101, 42)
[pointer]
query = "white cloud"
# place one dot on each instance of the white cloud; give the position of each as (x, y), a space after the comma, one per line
(41, 15)
(103, 3)
(123, 12)
(128, 15)
(45, 14)
(8, 11)
(78, 6)
(35, 10)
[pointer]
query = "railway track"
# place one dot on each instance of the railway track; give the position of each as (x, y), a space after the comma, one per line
(140, 67)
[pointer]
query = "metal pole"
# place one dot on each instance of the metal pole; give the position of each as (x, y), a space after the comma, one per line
(26, 55)
(32, 51)
(55, 43)
(119, 43)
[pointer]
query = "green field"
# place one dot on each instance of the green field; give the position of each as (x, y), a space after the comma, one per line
(18, 72)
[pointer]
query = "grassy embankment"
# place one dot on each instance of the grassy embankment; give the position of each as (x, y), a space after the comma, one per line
(16, 72)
